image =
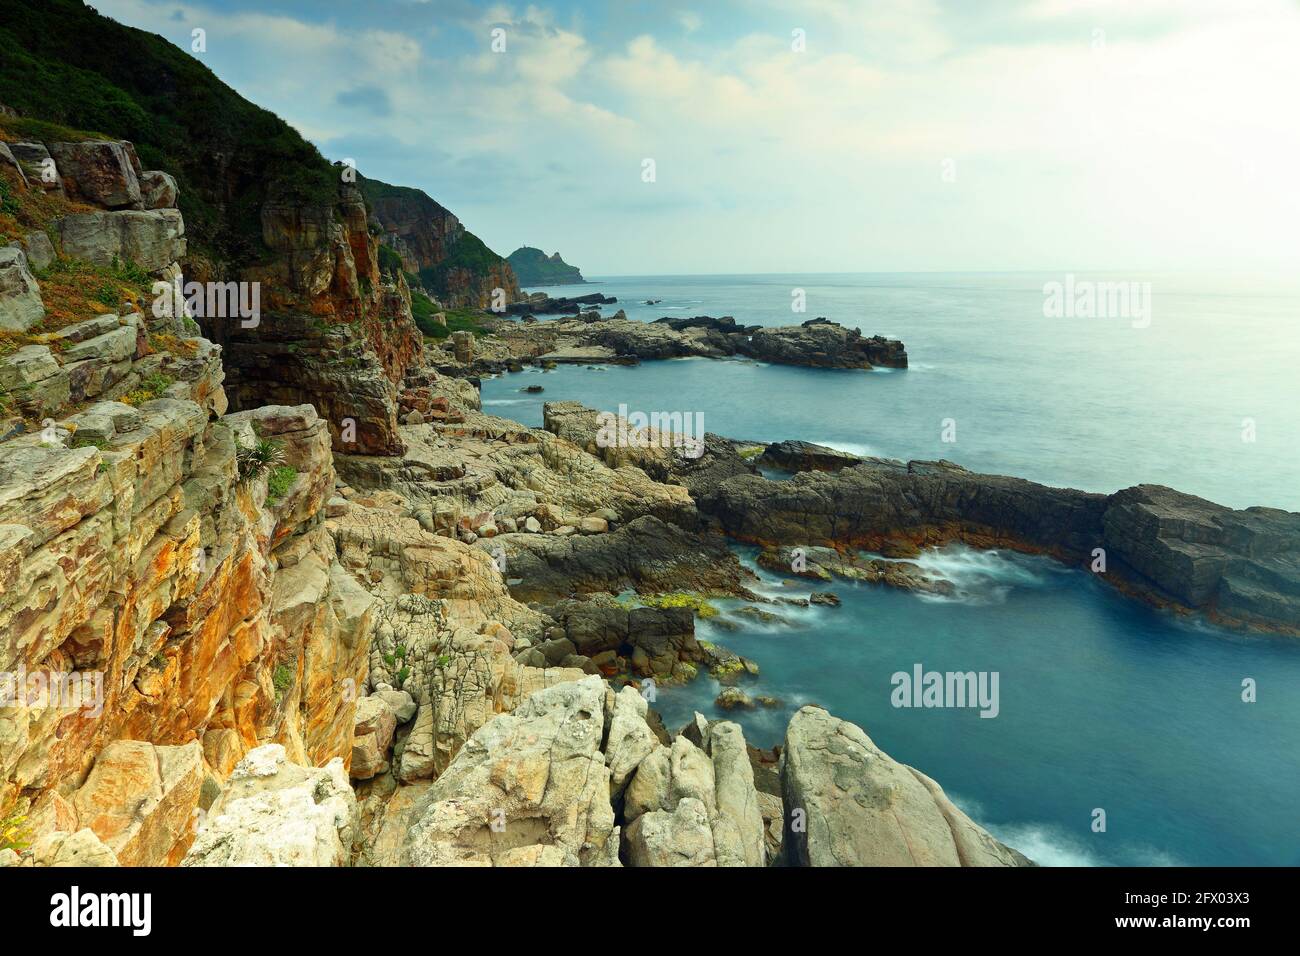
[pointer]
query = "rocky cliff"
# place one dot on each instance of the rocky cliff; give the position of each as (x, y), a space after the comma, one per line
(451, 263)
(169, 595)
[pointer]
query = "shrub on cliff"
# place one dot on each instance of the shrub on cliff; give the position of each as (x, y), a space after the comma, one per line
(253, 461)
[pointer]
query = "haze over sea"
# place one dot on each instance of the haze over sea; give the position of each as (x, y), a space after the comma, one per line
(1105, 703)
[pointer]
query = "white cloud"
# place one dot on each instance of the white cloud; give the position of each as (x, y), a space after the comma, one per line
(1173, 144)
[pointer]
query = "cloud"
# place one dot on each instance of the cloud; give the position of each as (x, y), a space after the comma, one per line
(370, 99)
(1068, 152)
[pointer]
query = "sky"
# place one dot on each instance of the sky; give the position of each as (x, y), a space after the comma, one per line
(808, 136)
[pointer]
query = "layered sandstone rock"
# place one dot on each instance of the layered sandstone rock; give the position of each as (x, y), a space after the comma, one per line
(149, 238)
(140, 800)
(1240, 566)
(165, 610)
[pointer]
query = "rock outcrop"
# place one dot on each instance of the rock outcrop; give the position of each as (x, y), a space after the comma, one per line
(588, 338)
(824, 344)
(20, 296)
(1238, 567)
(847, 803)
(805, 456)
(169, 595)
(534, 267)
(530, 788)
(276, 813)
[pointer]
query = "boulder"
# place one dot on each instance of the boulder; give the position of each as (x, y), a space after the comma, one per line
(158, 189)
(529, 786)
(736, 795)
(140, 800)
(733, 698)
(40, 250)
(375, 722)
(629, 739)
(100, 172)
(38, 165)
(848, 803)
(276, 813)
(110, 347)
(20, 296)
(805, 456)
(152, 239)
(678, 837)
(80, 849)
(680, 814)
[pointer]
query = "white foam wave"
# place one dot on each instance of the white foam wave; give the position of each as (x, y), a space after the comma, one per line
(981, 577)
(852, 448)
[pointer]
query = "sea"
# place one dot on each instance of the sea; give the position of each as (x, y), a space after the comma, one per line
(1123, 735)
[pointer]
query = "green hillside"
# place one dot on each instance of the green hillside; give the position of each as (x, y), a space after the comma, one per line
(535, 267)
(62, 63)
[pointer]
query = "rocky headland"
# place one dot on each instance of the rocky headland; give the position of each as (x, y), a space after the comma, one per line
(589, 338)
(534, 267)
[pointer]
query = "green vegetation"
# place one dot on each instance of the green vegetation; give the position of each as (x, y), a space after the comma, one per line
(458, 320)
(79, 71)
(281, 480)
(534, 267)
(154, 384)
(13, 831)
(695, 602)
(8, 201)
(281, 678)
(75, 291)
(253, 461)
(468, 259)
(390, 262)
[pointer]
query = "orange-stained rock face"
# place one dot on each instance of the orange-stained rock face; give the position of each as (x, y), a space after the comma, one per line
(141, 800)
(146, 573)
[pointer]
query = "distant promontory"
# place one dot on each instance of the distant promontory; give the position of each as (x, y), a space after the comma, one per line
(534, 267)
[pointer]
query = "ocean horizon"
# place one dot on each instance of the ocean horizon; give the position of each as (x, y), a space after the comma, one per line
(1090, 403)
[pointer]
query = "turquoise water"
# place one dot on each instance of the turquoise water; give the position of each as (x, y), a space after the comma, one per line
(1104, 703)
